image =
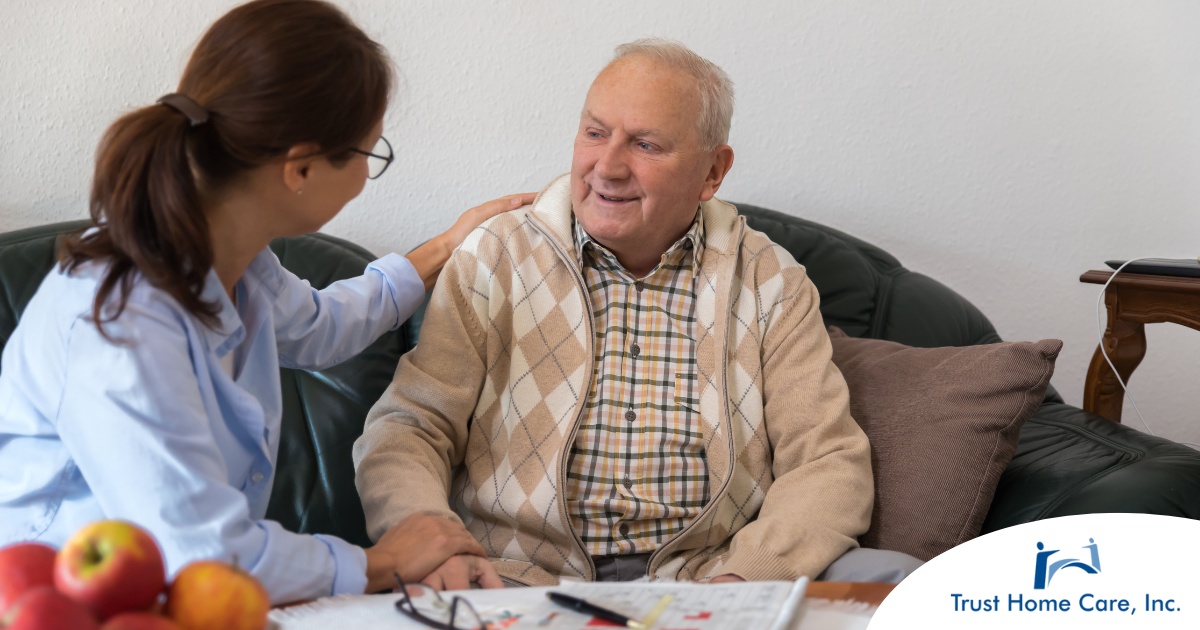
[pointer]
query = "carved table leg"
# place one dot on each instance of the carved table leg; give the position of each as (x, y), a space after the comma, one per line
(1125, 342)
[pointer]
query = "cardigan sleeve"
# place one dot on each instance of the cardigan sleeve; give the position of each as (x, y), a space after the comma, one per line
(416, 434)
(821, 496)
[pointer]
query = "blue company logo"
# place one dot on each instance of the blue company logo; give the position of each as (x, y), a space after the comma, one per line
(1047, 564)
(1044, 570)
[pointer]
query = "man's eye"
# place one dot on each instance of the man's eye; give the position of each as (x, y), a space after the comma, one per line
(645, 146)
(592, 134)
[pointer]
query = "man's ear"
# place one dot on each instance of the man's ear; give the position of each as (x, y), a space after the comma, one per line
(722, 161)
(297, 165)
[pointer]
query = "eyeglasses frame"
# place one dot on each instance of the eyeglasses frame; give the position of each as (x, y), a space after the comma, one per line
(387, 160)
(412, 613)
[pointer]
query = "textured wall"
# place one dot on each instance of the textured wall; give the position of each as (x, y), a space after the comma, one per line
(1001, 147)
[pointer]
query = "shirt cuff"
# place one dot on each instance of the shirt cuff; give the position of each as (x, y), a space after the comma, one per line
(407, 287)
(349, 565)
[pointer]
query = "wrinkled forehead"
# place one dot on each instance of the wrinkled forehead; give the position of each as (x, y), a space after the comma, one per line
(643, 90)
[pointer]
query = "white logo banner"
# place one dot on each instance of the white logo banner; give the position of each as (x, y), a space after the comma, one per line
(1089, 571)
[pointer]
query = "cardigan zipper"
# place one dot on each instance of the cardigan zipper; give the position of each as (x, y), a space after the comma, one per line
(566, 452)
(729, 430)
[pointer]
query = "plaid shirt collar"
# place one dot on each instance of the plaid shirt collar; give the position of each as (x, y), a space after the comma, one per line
(694, 235)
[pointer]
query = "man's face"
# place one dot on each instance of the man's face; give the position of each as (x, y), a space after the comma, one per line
(640, 169)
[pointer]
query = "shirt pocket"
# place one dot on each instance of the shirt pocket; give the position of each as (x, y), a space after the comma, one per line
(685, 391)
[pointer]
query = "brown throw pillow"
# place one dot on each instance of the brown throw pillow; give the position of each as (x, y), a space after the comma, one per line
(943, 424)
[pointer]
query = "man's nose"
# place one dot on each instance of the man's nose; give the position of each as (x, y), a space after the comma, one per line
(611, 164)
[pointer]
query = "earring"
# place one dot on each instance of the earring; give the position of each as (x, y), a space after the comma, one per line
(300, 191)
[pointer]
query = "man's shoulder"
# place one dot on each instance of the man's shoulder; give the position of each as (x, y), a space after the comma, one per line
(499, 233)
(758, 249)
(510, 240)
(727, 229)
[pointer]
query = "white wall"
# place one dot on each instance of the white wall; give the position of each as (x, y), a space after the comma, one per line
(1000, 147)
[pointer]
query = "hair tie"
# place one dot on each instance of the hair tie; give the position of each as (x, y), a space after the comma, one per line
(186, 106)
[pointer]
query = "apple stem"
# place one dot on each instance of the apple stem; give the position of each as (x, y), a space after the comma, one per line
(93, 555)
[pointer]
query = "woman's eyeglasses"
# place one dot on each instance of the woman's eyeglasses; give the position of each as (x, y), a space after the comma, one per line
(378, 159)
(456, 614)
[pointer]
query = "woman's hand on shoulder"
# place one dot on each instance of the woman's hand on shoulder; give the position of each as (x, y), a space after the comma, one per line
(472, 218)
(430, 257)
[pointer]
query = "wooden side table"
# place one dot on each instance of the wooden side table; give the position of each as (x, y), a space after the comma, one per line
(1133, 300)
(871, 593)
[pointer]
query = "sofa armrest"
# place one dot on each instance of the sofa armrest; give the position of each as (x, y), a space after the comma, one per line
(1069, 461)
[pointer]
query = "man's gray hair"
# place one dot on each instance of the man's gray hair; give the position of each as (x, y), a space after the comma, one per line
(716, 88)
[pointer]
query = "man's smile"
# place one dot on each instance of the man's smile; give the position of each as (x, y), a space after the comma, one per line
(614, 198)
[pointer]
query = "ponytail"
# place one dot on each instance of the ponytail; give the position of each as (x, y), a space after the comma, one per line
(146, 215)
(267, 76)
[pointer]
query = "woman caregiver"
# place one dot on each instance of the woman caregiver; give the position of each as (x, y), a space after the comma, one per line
(143, 380)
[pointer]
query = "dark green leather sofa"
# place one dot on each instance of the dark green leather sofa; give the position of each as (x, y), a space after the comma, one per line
(1068, 461)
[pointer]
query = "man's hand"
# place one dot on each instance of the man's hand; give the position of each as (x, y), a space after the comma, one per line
(415, 547)
(459, 572)
(725, 579)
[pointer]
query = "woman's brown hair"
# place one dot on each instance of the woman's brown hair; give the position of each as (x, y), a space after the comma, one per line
(272, 74)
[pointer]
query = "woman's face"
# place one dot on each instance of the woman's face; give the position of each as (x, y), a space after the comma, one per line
(331, 185)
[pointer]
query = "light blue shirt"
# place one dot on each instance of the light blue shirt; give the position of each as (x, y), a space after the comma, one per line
(155, 431)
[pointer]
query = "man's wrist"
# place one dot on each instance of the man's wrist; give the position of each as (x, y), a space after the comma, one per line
(727, 577)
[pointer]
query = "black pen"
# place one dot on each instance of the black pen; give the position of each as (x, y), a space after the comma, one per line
(579, 605)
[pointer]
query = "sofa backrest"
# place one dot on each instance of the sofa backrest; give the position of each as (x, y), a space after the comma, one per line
(866, 292)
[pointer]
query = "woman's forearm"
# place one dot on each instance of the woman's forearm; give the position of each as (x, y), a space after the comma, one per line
(429, 258)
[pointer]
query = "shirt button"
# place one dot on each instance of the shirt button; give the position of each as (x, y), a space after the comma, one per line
(630, 415)
(639, 286)
(635, 350)
(628, 483)
(624, 529)
(256, 477)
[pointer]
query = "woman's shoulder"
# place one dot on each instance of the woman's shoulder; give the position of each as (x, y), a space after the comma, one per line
(267, 270)
(73, 290)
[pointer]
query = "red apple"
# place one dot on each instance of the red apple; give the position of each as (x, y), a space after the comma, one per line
(43, 608)
(206, 595)
(111, 567)
(139, 621)
(22, 567)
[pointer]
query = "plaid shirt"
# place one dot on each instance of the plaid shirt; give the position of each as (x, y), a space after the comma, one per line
(638, 474)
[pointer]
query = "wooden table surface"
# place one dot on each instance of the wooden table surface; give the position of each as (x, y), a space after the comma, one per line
(866, 592)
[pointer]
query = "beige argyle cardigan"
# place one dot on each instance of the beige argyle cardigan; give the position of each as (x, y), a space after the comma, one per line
(485, 409)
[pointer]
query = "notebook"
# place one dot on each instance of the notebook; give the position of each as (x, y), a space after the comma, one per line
(765, 605)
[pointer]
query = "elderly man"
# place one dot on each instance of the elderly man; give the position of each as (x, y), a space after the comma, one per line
(625, 380)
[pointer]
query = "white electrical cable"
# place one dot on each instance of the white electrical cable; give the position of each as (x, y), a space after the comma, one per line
(1100, 333)
(1104, 353)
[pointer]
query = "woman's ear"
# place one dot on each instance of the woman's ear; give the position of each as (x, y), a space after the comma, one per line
(298, 164)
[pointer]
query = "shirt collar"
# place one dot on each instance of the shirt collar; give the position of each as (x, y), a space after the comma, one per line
(694, 235)
(226, 331)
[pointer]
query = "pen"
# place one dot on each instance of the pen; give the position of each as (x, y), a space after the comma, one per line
(579, 605)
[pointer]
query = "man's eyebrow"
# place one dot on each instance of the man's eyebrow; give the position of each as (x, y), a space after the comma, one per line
(592, 118)
(637, 133)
